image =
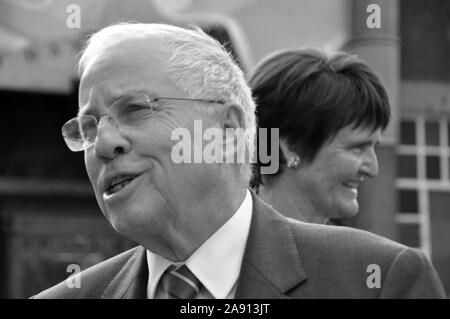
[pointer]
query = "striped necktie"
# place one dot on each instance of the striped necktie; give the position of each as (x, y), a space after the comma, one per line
(180, 283)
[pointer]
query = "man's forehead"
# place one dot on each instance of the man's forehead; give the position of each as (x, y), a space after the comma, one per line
(130, 53)
(118, 72)
(128, 45)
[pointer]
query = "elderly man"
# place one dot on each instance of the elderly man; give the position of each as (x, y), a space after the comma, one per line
(202, 233)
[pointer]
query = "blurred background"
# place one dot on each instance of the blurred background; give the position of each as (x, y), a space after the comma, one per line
(48, 214)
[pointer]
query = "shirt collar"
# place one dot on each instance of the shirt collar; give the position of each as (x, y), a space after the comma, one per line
(217, 262)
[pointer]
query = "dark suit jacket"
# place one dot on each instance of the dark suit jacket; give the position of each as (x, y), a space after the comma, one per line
(286, 259)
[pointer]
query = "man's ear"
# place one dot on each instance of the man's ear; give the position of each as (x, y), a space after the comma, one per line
(233, 116)
(233, 121)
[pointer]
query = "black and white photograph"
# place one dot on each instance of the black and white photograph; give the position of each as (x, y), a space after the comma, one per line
(209, 149)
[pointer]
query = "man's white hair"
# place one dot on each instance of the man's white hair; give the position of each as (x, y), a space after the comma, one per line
(198, 66)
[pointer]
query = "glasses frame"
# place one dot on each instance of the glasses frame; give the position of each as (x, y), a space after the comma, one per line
(84, 146)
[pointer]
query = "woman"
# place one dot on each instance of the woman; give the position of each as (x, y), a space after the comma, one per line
(330, 111)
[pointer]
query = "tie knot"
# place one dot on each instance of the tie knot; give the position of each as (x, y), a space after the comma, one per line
(180, 283)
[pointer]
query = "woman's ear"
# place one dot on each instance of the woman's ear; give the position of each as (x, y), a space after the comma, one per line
(292, 159)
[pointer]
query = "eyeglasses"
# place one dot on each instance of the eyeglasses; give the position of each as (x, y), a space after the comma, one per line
(80, 132)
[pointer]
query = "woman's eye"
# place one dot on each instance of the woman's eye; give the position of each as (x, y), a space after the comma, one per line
(358, 149)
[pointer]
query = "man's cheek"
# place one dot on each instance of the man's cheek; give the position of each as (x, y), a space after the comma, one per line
(91, 176)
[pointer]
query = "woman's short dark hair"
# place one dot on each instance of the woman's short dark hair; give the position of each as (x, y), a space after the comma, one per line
(310, 95)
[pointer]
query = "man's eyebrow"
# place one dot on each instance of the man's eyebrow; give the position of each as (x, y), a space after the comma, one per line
(86, 110)
(117, 97)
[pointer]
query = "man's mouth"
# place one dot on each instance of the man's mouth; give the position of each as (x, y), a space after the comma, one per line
(351, 184)
(119, 182)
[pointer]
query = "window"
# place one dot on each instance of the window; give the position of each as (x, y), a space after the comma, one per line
(408, 201)
(433, 167)
(423, 167)
(407, 166)
(448, 134)
(432, 133)
(408, 133)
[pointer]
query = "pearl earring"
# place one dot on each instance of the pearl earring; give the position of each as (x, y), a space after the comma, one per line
(293, 162)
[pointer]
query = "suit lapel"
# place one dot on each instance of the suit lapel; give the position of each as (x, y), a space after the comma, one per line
(271, 264)
(131, 281)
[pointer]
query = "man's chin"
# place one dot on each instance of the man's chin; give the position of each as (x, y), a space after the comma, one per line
(123, 226)
(348, 211)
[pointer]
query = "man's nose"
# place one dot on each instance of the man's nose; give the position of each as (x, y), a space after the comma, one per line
(370, 164)
(110, 141)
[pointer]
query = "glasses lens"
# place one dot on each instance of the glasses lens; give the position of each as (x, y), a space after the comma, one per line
(79, 133)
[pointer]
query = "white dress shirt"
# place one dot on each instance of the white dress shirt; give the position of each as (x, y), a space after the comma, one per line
(216, 263)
